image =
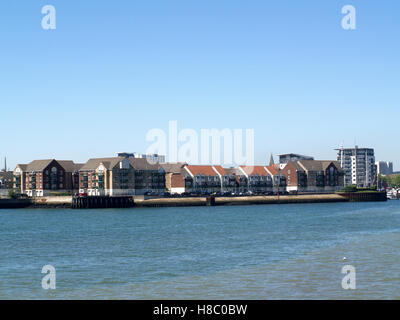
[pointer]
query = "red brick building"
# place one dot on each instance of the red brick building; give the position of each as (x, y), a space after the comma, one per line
(42, 177)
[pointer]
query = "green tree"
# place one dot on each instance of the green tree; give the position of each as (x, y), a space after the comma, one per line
(12, 194)
(396, 181)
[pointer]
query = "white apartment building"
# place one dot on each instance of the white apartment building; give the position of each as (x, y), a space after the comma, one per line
(358, 165)
(152, 158)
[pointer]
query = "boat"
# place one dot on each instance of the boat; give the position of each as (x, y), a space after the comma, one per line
(392, 194)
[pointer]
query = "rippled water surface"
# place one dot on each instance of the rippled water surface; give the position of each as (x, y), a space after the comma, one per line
(241, 252)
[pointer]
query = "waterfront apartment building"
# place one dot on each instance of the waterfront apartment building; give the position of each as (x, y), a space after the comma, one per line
(235, 181)
(203, 178)
(358, 165)
(384, 167)
(6, 179)
(314, 176)
(148, 176)
(174, 178)
(107, 176)
(259, 180)
(42, 177)
(278, 177)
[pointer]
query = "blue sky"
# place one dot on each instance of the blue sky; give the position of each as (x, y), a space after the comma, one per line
(113, 70)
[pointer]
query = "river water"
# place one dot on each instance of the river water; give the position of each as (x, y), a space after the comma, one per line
(290, 251)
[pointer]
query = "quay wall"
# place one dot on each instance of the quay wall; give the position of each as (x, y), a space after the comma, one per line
(124, 202)
(364, 196)
(202, 201)
(14, 203)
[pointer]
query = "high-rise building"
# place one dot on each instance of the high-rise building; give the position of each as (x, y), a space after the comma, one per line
(358, 165)
(152, 158)
(289, 157)
(384, 167)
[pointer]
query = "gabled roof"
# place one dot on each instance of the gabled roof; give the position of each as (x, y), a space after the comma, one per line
(233, 171)
(38, 165)
(6, 174)
(200, 170)
(70, 166)
(296, 166)
(144, 164)
(94, 163)
(220, 170)
(255, 170)
(326, 164)
(173, 167)
(311, 165)
(22, 166)
(318, 165)
(274, 169)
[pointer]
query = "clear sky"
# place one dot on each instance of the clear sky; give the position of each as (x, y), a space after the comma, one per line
(113, 70)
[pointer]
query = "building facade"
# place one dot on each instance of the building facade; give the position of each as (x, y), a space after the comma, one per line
(148, 176)
(6, 179)
(203, 179)
(107, 177)
(174, 178)
(384, 167)
(278, 178)
(296, 177)
(314, 176)
(259, 180)
(358, 165)
(41, 178)
(234, 181)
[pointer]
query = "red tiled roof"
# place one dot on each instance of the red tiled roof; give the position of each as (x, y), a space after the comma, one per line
(254, 170)
(206, 170)
(220, 170)
(274, 169)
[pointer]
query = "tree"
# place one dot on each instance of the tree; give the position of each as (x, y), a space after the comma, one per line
(396, 181)
(12, 194)
(351, 188)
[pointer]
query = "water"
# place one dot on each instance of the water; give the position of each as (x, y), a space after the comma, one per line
(241, 252)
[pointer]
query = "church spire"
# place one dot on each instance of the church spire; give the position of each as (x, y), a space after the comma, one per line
(271, 160)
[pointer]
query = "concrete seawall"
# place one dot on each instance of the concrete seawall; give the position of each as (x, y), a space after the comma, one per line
(61, 202)
(67, 201)
(176, 202)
